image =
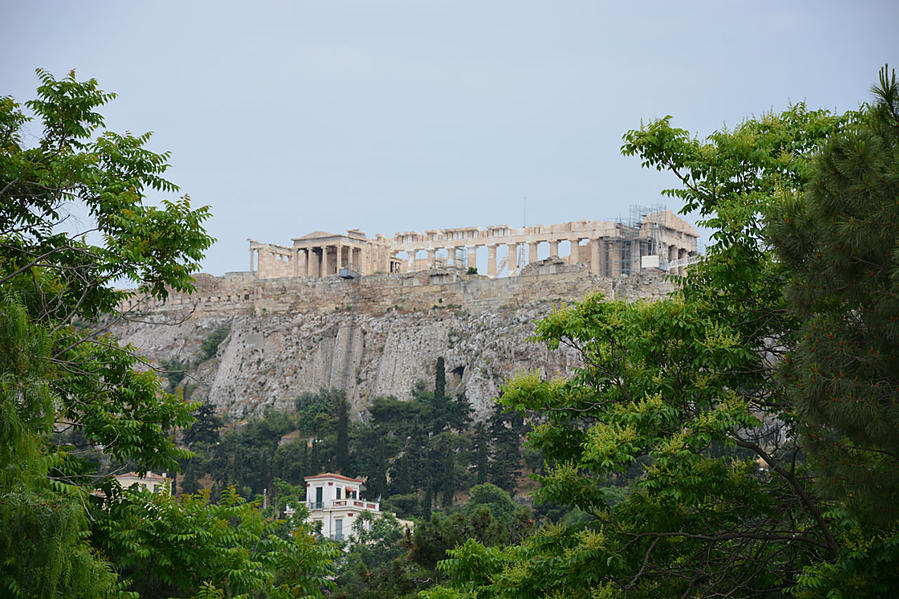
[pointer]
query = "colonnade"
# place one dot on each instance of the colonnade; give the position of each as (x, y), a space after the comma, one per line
(610, 257)
(323, 260)
(603, 256)
(270, 261)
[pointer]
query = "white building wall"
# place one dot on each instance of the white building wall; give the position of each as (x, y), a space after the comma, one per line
(336, 501)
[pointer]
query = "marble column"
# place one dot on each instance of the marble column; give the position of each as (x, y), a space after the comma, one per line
(554, 248)
(473, 257)
(575, 254)
(594, 256)
(604, 257)
(513, 259)
(532, 252)
(491, 261)
(432, 258)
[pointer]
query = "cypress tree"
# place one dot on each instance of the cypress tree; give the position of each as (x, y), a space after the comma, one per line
(440, 380)
(440, 409)
(427, 501)
(505, 455)
(341, 410)
(481, 453)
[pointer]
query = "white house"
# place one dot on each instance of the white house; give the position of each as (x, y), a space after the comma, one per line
(149, 481)
(336, 501)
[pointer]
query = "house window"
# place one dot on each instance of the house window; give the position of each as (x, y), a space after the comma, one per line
(338, 529)
(338, 492)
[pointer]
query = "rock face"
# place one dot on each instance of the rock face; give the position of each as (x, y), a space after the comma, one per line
(374, 336)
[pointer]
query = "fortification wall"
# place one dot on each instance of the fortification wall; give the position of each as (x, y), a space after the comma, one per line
(242, 293)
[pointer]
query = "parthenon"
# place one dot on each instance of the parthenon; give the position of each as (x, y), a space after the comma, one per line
(659, 240)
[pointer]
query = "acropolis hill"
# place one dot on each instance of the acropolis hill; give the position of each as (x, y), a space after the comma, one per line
(373, 315)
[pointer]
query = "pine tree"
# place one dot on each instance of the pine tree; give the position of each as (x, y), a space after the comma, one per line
(206, 428)
(840, 242)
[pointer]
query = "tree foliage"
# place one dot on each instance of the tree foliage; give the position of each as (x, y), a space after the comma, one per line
(75, 220)
(43, 550)
(171, 547)
(56, 283)
(839, 239)
(685, 389)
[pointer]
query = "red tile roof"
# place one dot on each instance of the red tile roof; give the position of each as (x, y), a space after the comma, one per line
(332, 475)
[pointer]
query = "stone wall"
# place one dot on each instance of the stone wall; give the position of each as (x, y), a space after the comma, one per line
(242, 293)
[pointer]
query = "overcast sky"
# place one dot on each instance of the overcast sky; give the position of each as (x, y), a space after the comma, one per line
(398, 115)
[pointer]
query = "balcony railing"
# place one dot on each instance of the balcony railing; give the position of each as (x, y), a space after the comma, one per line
(339, 503)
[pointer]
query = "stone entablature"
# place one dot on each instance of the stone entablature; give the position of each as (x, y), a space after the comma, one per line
(607, 248)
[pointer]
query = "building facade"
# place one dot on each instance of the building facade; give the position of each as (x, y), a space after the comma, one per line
(149, 481)
(335, 502)
(656, 239)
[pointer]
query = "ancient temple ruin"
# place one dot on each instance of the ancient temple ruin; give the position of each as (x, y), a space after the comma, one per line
(656, 240)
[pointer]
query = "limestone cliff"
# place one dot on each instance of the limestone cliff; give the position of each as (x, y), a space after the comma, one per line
(374, 336)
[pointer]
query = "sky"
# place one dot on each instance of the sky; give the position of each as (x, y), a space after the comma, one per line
(405, 115)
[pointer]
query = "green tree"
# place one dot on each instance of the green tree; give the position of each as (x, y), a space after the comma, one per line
(490, 517)
(408, 473)
(684, 390)
(172, 546)
(205, 428)
(839, 240)
(480, 453)
(210, 344)
(375, 563)
(59, 537)
(247, 458)
(372, 446)
(505, 430)
(440, 403)
(57, 283)
(290, 461)
(43, 550)
(341, 414)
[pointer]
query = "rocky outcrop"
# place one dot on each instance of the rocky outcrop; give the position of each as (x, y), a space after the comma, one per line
(374, 336)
